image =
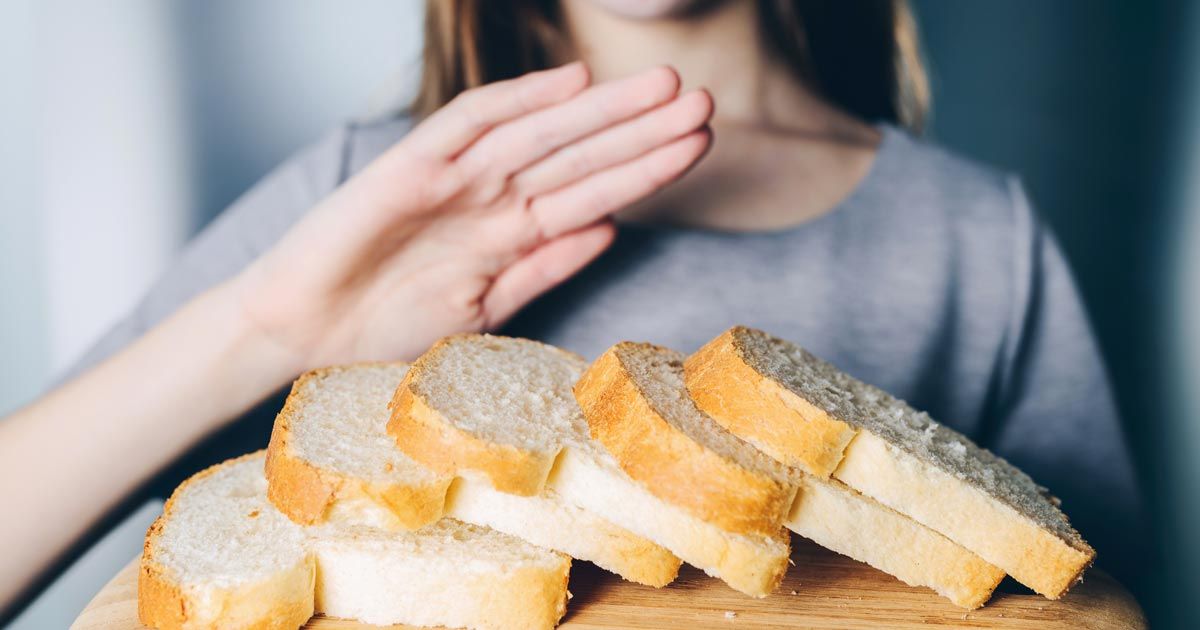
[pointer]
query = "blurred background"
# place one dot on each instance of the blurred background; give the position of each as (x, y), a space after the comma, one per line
(129, 124)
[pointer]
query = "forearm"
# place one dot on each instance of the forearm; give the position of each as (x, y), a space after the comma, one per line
(72, 455)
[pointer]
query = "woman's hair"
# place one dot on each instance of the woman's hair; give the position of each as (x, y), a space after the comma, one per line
(861, 56)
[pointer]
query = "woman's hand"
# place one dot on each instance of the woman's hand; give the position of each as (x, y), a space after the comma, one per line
(492, 200)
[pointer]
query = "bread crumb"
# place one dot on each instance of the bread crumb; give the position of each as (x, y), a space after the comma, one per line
(793, 592)
(729, 614)
(253, 514)
(791, 562)
(387, 467)
(570, 594)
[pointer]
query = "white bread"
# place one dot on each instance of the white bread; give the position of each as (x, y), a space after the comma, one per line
(331, 461)
(222, 556)
(805, 412)
(836, 517)
(500, 411)
(637, 406)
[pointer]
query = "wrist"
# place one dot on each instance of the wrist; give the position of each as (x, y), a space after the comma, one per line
(246, 362)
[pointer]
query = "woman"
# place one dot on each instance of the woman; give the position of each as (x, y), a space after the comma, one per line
(814, 216)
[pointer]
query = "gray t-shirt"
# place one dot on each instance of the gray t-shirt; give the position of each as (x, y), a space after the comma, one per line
(934, 280)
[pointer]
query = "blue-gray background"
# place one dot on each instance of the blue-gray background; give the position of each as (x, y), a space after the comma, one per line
(133, 122)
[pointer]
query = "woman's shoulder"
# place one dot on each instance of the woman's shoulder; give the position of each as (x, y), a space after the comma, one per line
(940, 185)
(943, 218)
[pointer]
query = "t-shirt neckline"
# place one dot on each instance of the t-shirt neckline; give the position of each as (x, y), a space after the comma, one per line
(890, 136)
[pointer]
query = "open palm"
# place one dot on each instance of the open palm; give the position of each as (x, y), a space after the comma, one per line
(491, 201)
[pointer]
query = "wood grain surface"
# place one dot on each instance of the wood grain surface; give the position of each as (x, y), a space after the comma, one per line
(823, 590)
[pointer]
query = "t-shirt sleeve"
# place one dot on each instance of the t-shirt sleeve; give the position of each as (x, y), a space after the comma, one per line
(1057, 418)
(231, 241)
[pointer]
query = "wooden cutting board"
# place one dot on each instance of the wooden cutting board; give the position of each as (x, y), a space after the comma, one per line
(823, 590)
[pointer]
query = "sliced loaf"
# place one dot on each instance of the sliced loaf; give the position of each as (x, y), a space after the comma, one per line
(636, 403)
(807, 413)
(331, 460)
(500, 411)
(222, 556)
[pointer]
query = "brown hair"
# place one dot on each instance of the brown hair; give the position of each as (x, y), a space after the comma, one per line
(861, 56)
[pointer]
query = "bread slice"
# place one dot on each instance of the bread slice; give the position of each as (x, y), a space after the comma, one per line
(222, 556)
(637, 406)
(500, 411)
(331, 460)
(807, 413)
(836, 517)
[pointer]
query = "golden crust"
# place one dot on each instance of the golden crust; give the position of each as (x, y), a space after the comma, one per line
(304, 492)
(537, 598)
(668, 462)
(423, 434)
(294, 486)
(760, 411)
(163, 605)
(160, 603)
(749, 570)
(636, 559)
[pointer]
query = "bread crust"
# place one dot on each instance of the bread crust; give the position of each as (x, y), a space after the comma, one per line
(667, 462)
(535, 598)
(163, 604)
(760, 411)
(423, 434)
(305, 493)
(160, 602)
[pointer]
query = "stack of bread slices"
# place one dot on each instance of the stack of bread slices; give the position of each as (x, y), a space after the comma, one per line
(456, 491)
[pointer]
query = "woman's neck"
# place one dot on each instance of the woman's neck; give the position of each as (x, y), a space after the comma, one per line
(766, 119)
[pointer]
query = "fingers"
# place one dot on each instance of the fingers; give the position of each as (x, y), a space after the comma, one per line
(544, 268)
(514, 145)
(471, 114)
(618, 144)
(605, 192)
